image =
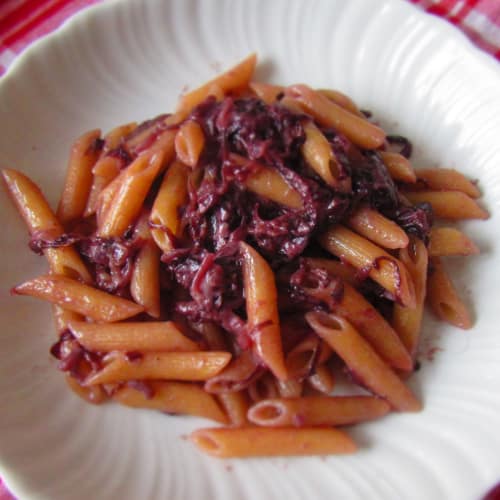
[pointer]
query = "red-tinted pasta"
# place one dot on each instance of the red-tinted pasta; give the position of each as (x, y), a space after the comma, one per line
(188, 274)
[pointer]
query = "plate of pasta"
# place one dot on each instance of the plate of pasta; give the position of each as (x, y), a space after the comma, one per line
(252, 252)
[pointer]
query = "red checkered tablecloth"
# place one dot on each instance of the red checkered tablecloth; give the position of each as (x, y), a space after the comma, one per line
(24, 21)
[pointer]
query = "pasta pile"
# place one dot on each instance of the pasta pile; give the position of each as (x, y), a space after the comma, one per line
(234, 259)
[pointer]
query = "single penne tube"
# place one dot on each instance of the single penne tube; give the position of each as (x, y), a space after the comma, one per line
(322, 379)
(31, 204)
(446, 241)
(269, 183)
(291, 104)
(116, 136)
(379, 229)
(317, 410)
(342, 270)
(305, 356)
(189, 143)
(235, 405)
(386, 270)
(187, 366)
(443, 297)
(94, 394)
(67, 262)
(262, 310)
(399, 167)
(374, 328)
(258, 441)
(151, 336)
(153, 133)
(407, 322)
(145, 281)
(362, 360)
(237, 375)
(80, 298)
(290, 388)
(105, 197)
(318, 153)
(41, 221)
(342, 100)
(266, 91)
(129, 197)
(235, 78)
(62, 317)
(452, 205)
(173, 397)
(165, 212)
(447, 179)
(263, 388)
(78, 183)
(105, 170)
(358, 130)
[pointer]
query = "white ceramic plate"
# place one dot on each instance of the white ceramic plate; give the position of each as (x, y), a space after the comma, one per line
(129, 60)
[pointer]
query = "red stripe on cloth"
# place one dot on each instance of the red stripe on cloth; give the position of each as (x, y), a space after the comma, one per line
(35, 21)
(7, 6)
(464, 11)
(19, 14)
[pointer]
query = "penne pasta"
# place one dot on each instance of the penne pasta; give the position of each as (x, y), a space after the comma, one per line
(374, 328)
(452, 205)
(263, 388)
(447, 179)
(407, 322)
(235, 405)
(319, 154)
(189, 143)
(358, 130)
(443, 298)
(267, 92)
(262, 310)
(317, 410)
(62, 317)
(130, 194)
(164, 217)
(187, 366)
(342, 270)
(290, 388)
(255, 441)
(374, 226)
(235, 78)
(173, 397)
(386, 270)
(362, 360)
(342, 100)
(269, 183)
(79, 298)
(399, 167)
(145, 281)
(78, 183)
(446, 241)
(237, 375)
(302, 360)
(41, 221)
(141, 336)
(322, 379)
(105, 170)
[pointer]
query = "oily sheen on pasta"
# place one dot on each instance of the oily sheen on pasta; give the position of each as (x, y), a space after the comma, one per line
(230, 259)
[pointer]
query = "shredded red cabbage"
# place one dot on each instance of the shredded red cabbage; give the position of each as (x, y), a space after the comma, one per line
(203, 271)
